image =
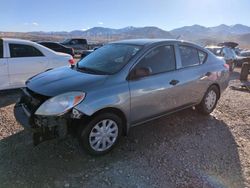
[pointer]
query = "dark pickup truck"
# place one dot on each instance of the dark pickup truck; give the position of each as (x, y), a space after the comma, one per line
(78, 44)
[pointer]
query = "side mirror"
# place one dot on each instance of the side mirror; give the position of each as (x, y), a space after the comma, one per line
(140, 72)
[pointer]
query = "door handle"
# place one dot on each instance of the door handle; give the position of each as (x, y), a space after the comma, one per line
(174, 82)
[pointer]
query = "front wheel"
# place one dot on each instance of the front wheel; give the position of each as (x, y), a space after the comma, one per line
(101, 134)
(209, 100)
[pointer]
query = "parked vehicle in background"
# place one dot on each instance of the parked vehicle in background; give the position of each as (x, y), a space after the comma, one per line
(245, 53)
(87, 52)
(22, 59)
(118, 86)
(226, 51)
(242, 57)
(78, 44)
(58, 47)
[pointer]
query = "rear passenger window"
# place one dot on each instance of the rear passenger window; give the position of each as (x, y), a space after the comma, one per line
(189, 56)
(22, 50)
(1, 48)
(202, 56)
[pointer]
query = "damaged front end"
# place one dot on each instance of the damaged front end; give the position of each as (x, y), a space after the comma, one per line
(44, 127)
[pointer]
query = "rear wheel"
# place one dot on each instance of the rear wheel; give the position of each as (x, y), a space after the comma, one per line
(209, 100)
(101, 134)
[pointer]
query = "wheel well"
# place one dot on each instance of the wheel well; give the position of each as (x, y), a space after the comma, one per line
(218, 87)
(118, 113)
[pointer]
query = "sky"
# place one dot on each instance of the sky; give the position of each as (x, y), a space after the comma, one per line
(68, 15)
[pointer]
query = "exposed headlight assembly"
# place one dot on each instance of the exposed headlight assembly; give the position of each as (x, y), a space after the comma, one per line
(60, 104)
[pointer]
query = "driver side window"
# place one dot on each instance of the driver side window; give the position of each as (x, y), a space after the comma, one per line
(160, 59)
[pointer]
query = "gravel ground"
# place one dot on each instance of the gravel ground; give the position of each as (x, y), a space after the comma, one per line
(182, 150)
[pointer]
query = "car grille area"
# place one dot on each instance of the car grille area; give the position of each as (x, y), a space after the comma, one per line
(31, 100)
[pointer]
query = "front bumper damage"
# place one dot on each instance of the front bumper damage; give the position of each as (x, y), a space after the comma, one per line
(45, 128)
(42, 128)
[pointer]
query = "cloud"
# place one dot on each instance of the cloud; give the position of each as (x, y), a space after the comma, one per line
(31, 23)
(85, 29)
(100, 23)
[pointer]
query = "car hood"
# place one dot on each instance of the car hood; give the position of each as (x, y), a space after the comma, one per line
(63, 79)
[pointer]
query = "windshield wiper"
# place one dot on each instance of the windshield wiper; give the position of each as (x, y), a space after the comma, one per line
(89, 70)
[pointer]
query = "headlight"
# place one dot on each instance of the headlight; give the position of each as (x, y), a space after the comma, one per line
(60, 104)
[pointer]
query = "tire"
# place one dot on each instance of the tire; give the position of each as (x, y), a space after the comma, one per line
(244, 71)
(102, 130)
(209, 100)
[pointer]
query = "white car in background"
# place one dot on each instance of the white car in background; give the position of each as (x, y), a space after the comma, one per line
(22, 59)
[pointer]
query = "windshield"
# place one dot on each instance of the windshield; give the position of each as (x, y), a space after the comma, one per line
(66, 41)
(108, 59)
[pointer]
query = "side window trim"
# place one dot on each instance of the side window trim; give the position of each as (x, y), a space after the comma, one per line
(2, 49)
(178, 57)
(147, 52)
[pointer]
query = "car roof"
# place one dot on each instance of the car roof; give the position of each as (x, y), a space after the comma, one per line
(48, 42)
(143, 42)
(15, 40)
(211, 47)
(76, 39)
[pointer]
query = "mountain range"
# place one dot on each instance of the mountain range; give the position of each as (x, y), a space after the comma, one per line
(197, 33)
(109, 33)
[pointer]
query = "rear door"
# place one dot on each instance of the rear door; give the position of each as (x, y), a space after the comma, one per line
(191, 72)
(4, 75)
(25, 61)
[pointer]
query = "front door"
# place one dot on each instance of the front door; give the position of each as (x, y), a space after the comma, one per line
(154, 94)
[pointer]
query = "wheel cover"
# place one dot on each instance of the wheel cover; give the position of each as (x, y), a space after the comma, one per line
(103, 135)
(210, 99)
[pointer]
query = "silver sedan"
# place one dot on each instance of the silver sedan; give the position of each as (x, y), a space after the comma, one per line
(120, 85)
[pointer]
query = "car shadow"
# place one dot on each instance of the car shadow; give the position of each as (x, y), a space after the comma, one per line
(8, 97)
(235, 75)
(182, 150)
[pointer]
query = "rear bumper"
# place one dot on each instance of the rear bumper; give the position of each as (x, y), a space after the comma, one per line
(41, 128)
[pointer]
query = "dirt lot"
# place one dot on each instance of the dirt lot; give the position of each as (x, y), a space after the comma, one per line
(181, 150)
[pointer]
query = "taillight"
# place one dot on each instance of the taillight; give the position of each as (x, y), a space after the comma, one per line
(226, 65)
(71, 61)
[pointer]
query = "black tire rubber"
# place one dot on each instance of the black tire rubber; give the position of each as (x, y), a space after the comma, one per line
(202, 108)
(84, 131)
(244, 71)
(231, 66)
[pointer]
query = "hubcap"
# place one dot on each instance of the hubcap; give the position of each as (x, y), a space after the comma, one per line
(103, 135)
(210, 99)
